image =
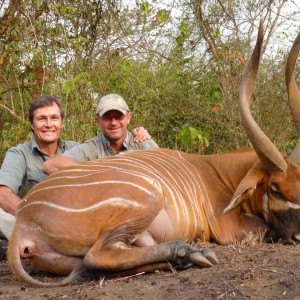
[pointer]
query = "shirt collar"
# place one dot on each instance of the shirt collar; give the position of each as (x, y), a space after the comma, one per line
(35, 146)
(107, 143)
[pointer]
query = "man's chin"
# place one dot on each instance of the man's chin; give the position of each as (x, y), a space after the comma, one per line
(114, 136)
(49, 139)
(113, 139)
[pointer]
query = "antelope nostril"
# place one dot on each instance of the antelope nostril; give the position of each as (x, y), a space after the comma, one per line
(26, 252)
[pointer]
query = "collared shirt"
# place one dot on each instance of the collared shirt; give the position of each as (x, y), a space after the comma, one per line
(22, 165)
(99, 147)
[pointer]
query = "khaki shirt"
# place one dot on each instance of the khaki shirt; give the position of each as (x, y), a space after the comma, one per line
(99, 147)
(22, 165)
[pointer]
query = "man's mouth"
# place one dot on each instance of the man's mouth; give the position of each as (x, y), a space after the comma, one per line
(114, 129)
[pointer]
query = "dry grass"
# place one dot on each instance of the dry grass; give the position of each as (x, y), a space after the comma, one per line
(250, 239)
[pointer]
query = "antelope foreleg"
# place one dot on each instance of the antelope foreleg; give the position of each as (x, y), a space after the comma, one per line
(117, 256)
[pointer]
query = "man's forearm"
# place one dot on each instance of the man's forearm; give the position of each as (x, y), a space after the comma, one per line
(9, 201)
(57, 163)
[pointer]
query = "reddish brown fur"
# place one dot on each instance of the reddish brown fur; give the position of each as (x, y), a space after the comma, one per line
(58, 241)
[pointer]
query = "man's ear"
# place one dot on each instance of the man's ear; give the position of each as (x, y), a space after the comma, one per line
(31, 127)
(129, 116)
(246, 187)
(97, 118)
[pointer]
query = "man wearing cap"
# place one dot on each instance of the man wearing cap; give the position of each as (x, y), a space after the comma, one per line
(113, 117)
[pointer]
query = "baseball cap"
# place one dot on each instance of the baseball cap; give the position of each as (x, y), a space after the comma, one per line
(111, 102)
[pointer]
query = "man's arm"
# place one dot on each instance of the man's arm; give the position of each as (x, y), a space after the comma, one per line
(12, 174)
(57, 163)
(8, 200)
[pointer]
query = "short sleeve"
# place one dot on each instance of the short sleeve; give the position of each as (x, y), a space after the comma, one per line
(13, 170)
(83, 152)
(149, 144)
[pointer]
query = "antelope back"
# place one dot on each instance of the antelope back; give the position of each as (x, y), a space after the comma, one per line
(104, 193)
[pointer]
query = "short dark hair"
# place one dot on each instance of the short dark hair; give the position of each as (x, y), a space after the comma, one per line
(43, 101)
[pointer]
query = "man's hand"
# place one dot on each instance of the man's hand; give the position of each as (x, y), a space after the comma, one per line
(57, 163)
(140, 134)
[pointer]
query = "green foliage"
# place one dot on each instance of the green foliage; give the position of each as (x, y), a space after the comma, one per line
(145, 7)
(193, 139)
(179, 72)
(161, 16)
(72, 84)
(14, 134)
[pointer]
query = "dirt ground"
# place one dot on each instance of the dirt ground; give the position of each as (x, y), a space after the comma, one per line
(246, 271)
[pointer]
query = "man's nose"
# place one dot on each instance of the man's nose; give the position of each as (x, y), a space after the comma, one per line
(113, 120)
(49, 122)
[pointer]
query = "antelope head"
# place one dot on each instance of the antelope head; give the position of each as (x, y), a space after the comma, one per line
(279, 176)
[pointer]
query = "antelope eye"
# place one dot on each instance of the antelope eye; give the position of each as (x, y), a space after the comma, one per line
(274, 190)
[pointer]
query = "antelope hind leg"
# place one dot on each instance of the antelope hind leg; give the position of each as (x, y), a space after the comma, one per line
(117, 256)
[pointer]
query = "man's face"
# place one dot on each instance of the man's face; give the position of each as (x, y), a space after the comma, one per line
(47, 124)
(114, 125)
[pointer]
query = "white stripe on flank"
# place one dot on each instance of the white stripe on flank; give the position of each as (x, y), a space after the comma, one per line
(176, 172)
(89, 173)
(193, 190)
(109, 202)
(165, 178)
(92, 183)
(182, 187)
(184, 183)
(106, 170)
(203, 192)
(154, 173)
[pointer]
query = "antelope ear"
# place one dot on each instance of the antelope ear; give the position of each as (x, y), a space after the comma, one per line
(246, 187)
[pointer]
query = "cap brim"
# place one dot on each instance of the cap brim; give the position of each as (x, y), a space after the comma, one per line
(106, 109)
